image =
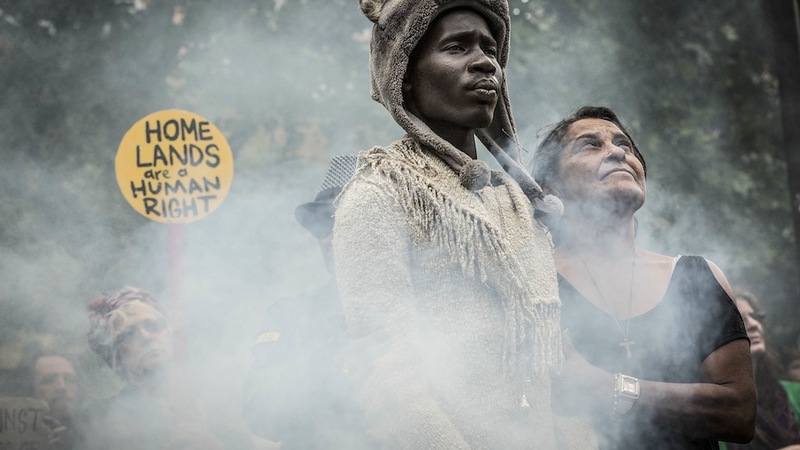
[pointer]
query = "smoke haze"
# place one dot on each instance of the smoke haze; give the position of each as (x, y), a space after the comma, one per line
(287, 83)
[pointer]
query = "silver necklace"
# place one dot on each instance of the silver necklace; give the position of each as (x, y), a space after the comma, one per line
(626, 343)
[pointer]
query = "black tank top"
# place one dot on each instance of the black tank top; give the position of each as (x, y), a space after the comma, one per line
(695, 317)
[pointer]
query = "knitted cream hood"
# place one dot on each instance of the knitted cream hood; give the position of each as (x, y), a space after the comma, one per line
(399, 26)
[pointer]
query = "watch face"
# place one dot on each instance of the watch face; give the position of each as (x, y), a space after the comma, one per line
(630, 386)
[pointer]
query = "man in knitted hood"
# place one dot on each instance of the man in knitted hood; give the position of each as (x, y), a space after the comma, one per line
(442, 254)
(399, 26)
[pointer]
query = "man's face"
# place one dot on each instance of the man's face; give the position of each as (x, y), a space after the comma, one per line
(144, 343)
(597, 166)
(454, 81)
(55, 381)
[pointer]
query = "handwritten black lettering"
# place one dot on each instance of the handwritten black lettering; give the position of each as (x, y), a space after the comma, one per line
(148, 131)
(139, 162)
(175, 133)
(156, 174)
(212, 151)
(205, 131)
(140, 188)
(175, 208)
(207, 184)
(18, 420)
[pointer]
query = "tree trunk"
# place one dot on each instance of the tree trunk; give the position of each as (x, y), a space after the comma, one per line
(785, 16)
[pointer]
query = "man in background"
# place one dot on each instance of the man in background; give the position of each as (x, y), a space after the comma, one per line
(54, 379)
(297, 392)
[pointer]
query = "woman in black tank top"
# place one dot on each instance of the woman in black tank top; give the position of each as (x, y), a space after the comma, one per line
(656, 351)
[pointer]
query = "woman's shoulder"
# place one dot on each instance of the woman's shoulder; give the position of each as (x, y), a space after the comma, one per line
(696, 263)
(657, 259)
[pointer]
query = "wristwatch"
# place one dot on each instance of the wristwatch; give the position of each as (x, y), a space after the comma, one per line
(626, 392)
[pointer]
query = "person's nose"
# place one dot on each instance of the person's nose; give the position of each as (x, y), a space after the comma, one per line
(615, 151)
(61, 382)
(145, 334)
(141, 334)
(750, 323)
(483, 63)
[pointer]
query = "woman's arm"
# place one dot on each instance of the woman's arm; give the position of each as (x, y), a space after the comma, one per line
(722, 407)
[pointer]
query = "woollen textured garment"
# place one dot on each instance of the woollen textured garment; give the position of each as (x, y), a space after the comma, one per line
(462, 284)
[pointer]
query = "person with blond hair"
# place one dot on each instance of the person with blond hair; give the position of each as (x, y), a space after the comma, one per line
(131, 331)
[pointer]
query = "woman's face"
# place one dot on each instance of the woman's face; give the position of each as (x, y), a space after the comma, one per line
(597, 166)
(454, 80)
(752, 322)
(793, 369)
(144, 341)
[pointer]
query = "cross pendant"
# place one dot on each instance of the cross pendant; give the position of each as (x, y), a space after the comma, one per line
(627, 344)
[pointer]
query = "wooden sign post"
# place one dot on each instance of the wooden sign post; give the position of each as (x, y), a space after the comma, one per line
(175, 167)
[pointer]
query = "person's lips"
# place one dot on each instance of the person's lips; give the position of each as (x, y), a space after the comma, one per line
(618, 170)
(486, 88)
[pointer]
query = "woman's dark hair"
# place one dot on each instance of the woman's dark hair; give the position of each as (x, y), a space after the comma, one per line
(787, 354)
(545, 161)
(768, 388)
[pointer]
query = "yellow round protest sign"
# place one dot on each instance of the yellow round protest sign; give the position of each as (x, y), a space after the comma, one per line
(174, 166)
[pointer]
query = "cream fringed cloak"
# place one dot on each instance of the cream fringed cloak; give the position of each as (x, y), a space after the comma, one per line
(462, 285)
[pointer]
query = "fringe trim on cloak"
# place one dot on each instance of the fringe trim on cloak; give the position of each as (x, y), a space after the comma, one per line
(468, 239)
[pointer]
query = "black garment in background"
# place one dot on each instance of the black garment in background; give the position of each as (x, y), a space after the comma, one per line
(776, 426)
(297, 391)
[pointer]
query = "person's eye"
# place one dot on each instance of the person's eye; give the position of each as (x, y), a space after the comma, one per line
(591, 145)
(126, 334)
(490, 51)
(625, 145)
(454, 47)
(153, 326)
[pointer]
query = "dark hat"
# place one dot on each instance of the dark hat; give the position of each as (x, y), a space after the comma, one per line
(317, 216)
